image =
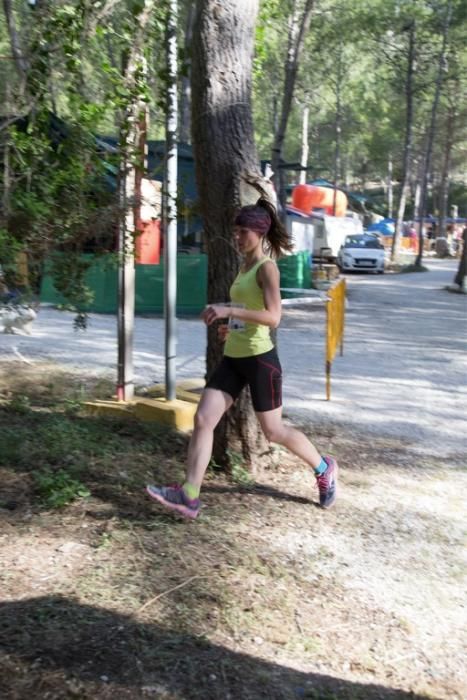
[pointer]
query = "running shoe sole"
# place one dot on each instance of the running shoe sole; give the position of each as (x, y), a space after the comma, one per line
(179, 508)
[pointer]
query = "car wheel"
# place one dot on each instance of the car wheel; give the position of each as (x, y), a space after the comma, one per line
(380, 272)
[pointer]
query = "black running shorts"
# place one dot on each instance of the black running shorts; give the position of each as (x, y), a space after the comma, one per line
(263, 374)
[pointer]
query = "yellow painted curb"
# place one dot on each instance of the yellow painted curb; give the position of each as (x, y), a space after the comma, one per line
(108, 408)
(186, 390)
(177, 414)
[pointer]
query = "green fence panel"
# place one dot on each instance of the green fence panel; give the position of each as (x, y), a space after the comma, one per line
(191, 286)
(295, 271)
(101, 279)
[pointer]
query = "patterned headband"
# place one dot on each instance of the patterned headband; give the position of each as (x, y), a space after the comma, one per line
(255, 218)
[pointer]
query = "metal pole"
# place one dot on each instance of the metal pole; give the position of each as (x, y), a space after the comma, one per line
(126, 286)
(304, 158)
(170, 238)
(337, 153)
(390, 190)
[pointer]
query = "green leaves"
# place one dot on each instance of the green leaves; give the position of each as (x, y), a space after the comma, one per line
(58, 488)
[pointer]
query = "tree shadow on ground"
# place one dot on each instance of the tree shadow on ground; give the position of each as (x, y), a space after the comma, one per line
(106, 654)
(112, 458)
(260, 490)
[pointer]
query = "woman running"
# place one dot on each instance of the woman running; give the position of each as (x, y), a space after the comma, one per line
(249, 358)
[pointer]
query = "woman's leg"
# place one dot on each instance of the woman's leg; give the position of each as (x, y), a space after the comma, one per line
(214, 403)
(291, 438)
(325, 468)
(184, 500)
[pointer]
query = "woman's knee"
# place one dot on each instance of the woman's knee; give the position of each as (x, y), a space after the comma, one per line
(274, 433)
(205, 420)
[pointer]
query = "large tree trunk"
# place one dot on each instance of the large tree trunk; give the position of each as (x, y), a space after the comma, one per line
(407, 142)
(298, 27)
(444, 186)
(432, 128)
(226, 160)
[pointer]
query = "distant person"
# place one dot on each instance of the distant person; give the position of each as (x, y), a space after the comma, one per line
(457, 241)
(462, 269)
(250, 358)
(413, 235)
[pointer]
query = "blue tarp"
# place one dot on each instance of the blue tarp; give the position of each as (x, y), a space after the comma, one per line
(385, 227)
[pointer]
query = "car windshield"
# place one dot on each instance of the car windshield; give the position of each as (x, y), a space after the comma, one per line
(362, 242)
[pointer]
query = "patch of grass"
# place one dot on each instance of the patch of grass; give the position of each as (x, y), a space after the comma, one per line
(20, 403)
(239, 473)
(242, 476)
(68, 454)
(58, 489)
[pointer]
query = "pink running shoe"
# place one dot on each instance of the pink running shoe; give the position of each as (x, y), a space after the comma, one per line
(327, 483)
(175, 499)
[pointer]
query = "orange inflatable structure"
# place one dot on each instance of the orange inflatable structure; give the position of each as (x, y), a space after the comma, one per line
(148, 243)
(309, 197)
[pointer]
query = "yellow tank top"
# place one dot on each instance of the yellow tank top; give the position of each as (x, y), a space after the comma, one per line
(247, 339)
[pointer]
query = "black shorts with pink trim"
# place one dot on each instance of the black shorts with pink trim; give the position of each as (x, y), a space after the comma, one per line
(262, 373)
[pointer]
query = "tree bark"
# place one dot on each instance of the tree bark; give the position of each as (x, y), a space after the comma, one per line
(432, 128)
(407, 142)
(444, 186)
(298, 27)
(225, 161)
(21, 63)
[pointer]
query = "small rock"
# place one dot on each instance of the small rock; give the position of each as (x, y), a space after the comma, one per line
(68, 547)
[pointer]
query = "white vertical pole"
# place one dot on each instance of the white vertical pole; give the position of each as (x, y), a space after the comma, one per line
(390, 190)
(170, 238)
(126, 284)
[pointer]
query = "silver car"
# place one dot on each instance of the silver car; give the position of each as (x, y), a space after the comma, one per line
(362, 253)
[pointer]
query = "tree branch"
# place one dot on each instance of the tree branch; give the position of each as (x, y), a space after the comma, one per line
(21, 63)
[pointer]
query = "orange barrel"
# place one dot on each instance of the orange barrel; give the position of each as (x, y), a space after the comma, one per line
(309, 197)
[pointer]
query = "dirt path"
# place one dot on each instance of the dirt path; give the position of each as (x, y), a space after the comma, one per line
(265, 596)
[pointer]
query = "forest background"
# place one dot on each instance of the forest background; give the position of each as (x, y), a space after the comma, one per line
(371, 95)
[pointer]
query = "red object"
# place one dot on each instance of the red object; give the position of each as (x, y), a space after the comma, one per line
(148, 243)
(309, 197)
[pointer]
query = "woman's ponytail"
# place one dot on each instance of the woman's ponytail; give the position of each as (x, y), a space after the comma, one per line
(277, 236)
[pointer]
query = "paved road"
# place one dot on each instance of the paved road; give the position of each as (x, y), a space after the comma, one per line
(403, 372)
(404, 369)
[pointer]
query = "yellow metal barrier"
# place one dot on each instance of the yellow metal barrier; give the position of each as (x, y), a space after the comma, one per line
(335, 321)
